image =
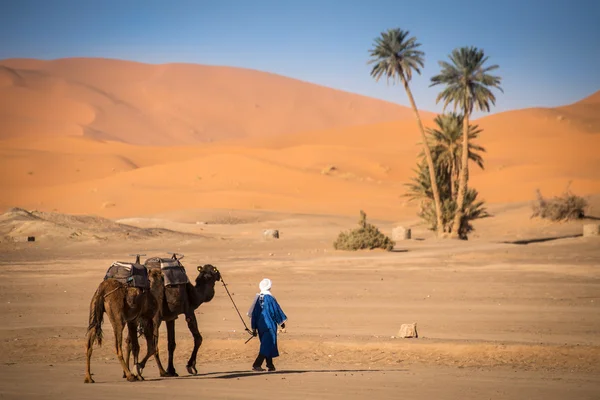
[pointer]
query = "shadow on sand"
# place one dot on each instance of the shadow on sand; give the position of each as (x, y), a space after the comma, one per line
(540, 240)
(591, 218)
(249, 374)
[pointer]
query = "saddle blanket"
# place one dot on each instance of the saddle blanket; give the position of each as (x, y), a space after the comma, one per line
(131, 274)
(172, 270)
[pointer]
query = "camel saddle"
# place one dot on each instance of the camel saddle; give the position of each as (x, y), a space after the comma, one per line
(172, 270)
(130, 274)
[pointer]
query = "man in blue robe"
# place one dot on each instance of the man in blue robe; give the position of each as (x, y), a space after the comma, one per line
(265, 315)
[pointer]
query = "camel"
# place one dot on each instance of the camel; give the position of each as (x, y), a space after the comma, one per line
(125, 306)
(174, 300)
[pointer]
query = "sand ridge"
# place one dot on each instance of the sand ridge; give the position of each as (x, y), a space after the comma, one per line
(171, 103)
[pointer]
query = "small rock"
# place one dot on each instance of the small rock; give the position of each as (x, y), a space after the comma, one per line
(401, 233)
(271, 233)
(408, 331)
(328, 169)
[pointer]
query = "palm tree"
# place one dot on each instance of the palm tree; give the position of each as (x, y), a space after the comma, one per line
(396, 56)
(445, 142)
(468, 87)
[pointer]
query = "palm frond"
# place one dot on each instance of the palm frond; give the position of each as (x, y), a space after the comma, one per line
(396, 56)
(467, 80)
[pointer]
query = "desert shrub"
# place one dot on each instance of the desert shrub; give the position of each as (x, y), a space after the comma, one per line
(229, 219)
(566, 207)
(366, 236)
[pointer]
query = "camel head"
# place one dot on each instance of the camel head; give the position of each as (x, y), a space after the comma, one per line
(208, 273)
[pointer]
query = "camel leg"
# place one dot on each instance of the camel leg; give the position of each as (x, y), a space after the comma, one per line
(89, 346)
(193, 326)
(118, 324)
(127, 352)
(135, 345)
(172, 346)
(150, 347)
(161, 370)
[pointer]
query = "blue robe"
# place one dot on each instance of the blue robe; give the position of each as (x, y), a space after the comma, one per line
(266, 315)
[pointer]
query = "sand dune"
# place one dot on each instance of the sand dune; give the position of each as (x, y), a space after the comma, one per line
(210, 181)
(88, 136)
(538, 148)
(170, 104)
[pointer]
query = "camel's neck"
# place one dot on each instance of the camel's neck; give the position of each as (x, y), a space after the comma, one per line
(205, 291)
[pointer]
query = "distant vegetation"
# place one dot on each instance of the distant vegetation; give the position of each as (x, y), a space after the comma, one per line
(366, 236)
(566, 207)
(441, 184)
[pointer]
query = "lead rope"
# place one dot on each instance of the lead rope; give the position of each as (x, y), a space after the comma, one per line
(238, 311)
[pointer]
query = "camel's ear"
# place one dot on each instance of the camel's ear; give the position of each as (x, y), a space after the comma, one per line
(199, 268)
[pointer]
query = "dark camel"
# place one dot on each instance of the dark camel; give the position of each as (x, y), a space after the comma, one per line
(124, 305)
(174, 300)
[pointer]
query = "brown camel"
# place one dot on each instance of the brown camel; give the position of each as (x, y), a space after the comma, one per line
(177, 299)
(124, 305)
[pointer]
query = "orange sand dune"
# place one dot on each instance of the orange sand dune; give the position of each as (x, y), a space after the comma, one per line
(82, 152)
(221, 180)
(539, 148)
(170, 104)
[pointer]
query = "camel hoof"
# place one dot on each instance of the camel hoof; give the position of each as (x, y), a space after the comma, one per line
(192, 370)
(139, 369)
(88, 379)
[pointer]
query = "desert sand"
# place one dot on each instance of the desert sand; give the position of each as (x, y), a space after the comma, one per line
(106, 158)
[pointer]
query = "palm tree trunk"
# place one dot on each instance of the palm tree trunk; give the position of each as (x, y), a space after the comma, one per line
(462, 179)
(432, 177)
(453, 182)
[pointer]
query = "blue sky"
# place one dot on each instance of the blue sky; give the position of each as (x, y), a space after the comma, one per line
(548, 51)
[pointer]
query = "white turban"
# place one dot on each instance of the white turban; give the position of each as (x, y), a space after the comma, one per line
(265, 285)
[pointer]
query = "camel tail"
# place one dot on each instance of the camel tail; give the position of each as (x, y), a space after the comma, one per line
(97, 316)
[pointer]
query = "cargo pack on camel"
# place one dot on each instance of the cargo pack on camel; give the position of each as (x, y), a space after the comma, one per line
(172, 270)
(130, 274)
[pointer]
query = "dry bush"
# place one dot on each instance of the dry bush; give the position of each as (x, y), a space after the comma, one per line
(366, 236)
(566, 207)
(229, 219)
